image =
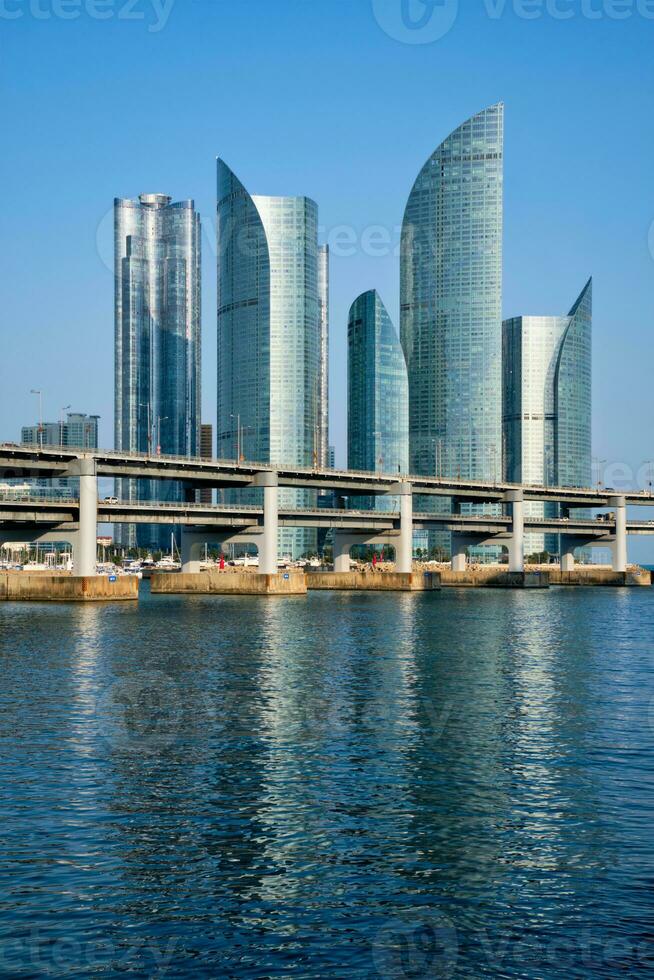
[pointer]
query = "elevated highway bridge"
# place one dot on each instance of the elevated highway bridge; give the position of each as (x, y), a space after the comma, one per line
(76, 520)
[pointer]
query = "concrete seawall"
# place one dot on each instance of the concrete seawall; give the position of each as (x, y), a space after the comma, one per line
(228, 583)
(374, 581)
(40, 587)
(491, 577)
(601, 576)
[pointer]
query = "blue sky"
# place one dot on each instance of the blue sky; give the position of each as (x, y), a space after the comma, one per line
(324, 98)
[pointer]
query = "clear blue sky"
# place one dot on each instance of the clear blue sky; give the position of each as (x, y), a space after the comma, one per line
(320, 97)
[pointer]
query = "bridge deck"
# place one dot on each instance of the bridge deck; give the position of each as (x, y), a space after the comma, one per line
(30, 461)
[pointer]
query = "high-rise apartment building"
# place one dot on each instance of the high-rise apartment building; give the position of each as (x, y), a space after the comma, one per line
(272, 312)
(451, 306)
(157, 342)
(76, 431)
(547, 401)
(323, 397)
(378, 395)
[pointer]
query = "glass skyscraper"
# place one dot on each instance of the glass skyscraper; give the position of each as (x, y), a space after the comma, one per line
(378, 395)
(547, 400)
(272, 325)
(157, 342)
(323, 398)
(451, 306)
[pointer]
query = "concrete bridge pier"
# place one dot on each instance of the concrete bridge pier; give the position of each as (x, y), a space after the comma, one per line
(404, 547)
(568, 544)
(192, 541)
(268, 550)
(85, 551)
(516, 543)
(342, 545)
(460, 545)
(567, 558)
(619, 505)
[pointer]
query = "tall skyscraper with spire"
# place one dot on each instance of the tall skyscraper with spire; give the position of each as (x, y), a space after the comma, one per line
(157, 342)
(451, 306)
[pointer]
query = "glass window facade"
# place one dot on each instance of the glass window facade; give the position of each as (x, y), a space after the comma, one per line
(157, 342)
(323, 398)
(378, 396)
(547, 400)
(451, 306)
(272, 325)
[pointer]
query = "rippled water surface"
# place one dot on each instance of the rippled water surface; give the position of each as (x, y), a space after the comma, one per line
(450, 784)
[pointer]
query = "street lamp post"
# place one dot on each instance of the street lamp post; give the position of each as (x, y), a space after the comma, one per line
(438, 449)
(238, 436)
(160, 419)
(61, 424)
(650, 482)
(38, 391)
(600, 472)
(146, 405)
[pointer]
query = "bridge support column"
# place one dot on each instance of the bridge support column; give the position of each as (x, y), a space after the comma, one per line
(567, 558)
(517, 540)
(459, 546)
(342, 544)
(85, 556)
(404, 547)
(620, 547)
(190, 544)
(268, 550)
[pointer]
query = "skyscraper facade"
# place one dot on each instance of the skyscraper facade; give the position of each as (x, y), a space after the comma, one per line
(323, 397)
(547, 400)
(157, 341)
(378, 395)
(451, 305)
(272, 307)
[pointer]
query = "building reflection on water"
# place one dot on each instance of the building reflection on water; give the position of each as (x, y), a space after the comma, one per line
(256, 776)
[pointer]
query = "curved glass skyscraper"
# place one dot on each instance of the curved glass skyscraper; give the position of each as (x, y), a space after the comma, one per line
(547, 401)
(378, 394)
(451, 304)
(157, 340)
(272, 308)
